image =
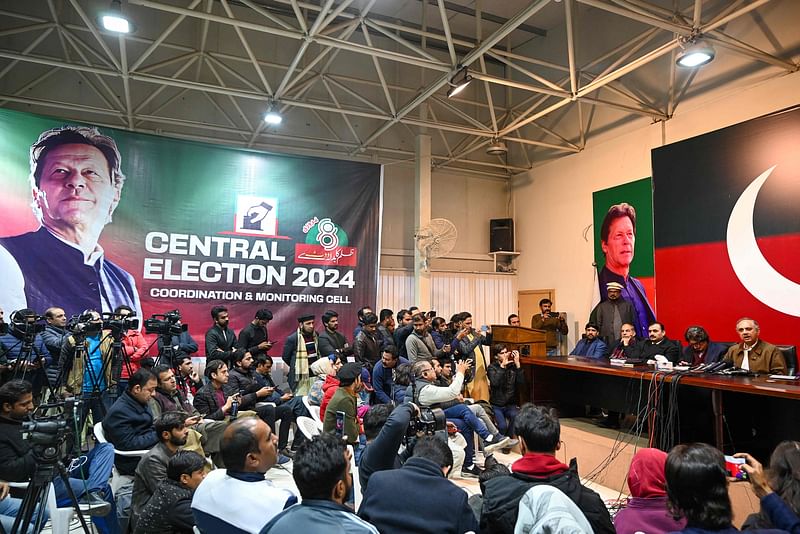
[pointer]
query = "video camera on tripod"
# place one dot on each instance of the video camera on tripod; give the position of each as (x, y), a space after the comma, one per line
(85, 324)
(52, 436)
(25, 324)
(165, 324)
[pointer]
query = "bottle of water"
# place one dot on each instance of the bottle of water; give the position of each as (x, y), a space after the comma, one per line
(234, 409)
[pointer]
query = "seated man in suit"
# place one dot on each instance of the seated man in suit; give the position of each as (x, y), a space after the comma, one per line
(700, 348)
(657, 344)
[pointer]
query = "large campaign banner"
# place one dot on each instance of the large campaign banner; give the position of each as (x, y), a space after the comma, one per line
(98, 217)
(623, 245)
(727, 229)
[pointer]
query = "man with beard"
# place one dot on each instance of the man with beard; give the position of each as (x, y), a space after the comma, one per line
(254, 338)
(611, 314)
(152, 468)
(367, 344)
(590, 346)
(420, 345)
(657, 344)
(220, 340)
(168, 398)
(300, 351)
(331, 341)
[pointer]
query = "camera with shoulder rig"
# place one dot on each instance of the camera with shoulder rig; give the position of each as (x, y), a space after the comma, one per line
(165, 324)
(428, 422)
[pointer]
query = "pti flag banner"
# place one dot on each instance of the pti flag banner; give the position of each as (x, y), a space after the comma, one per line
(623, 246)
(94, 218)
(727, 229)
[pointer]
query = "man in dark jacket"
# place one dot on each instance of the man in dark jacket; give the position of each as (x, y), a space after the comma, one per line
(404, 328)
(658, 344)
(220, 340)
(425, 486)
(590, 345)
(300, 351)
(170, 509)
(129, 422)
(331, 341)
(384, 428)
(505, 375)
(254, 338)
(367, 344)
(54, 333)
(700, 348)
(168, 398)
(540, 431)
(322, 474)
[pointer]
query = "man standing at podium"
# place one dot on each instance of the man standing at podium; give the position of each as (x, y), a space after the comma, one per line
(552, 323)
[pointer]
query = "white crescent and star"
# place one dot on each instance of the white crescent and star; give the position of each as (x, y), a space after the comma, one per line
(751, 267)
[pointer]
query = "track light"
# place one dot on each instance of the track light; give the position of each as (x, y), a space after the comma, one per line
(114, 20)
(459, 82)
(696, 54)
(273, 116)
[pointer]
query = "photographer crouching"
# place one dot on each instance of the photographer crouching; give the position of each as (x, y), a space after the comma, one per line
(88, 475)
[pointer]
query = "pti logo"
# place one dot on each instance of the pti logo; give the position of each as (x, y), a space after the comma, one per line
(326, 244)
(256, 215)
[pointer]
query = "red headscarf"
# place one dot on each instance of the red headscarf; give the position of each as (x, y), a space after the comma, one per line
(646, 476)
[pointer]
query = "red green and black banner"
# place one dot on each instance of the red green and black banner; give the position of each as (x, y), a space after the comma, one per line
(181, 225)
(727, 229)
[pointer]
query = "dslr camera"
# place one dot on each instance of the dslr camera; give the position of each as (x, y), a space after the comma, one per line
(165, 324)
(429, 421)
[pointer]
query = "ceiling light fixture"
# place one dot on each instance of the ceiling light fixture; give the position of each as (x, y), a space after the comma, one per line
(696, 53)
(497, 148)
(114, 20)
(459, 82)
(273, 116)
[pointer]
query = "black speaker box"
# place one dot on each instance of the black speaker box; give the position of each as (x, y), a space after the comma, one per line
(501, 235)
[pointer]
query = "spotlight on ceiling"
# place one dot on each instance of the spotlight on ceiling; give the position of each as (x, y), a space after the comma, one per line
(497, 148)
(273, 116)
(696, 54)
(114, 20)
(459, 82)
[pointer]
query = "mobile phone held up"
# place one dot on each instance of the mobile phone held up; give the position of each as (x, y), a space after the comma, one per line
(340, 424)
(734, 467)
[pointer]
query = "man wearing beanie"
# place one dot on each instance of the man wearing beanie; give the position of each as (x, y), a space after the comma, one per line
(345, 400)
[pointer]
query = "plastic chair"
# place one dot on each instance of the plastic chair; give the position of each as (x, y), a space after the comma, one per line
(60, 518)
(313, 410)
(308, 426)
(117, 480)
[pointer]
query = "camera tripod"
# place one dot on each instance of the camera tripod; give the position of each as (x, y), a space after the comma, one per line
(36, 496)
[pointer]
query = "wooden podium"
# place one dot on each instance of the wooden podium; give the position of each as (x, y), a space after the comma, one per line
(529, 342)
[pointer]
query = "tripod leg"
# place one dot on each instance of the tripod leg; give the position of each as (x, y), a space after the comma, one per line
(62, 472)
(35, 495)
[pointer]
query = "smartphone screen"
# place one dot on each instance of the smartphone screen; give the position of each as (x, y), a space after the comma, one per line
(340, 424)
(732, 466)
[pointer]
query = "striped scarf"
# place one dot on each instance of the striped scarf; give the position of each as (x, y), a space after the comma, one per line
(303, 381)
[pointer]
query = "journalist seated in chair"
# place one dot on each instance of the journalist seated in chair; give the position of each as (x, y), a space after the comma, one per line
(18, 461)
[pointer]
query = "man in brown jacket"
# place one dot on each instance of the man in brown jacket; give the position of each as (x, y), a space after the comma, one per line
(754, 354)
(552, 323)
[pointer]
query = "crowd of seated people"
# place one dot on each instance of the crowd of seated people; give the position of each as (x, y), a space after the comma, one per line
(208, 443)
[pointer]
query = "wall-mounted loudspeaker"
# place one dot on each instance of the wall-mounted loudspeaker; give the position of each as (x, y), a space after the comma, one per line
(501, 235)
